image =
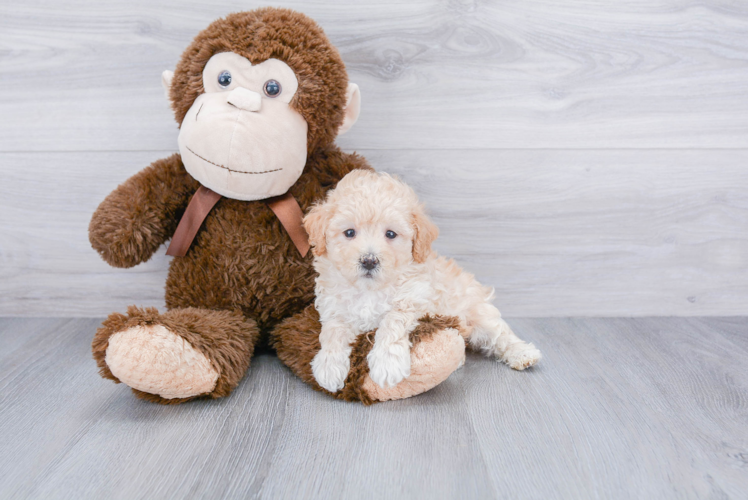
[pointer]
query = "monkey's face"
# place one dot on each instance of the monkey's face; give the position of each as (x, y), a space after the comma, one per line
(241, 138)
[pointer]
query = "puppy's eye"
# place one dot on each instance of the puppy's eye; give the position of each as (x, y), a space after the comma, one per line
(391, 235)
(224, 79)
(349, 233)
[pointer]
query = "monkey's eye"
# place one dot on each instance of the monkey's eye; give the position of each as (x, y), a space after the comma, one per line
(272, 88)
(391, 235)
(224, 79)
(349, 233)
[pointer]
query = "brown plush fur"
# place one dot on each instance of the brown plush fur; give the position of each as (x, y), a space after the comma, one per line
(296, 340)
(241, 260)
(141, 214)
(269, 33)
(242, 275)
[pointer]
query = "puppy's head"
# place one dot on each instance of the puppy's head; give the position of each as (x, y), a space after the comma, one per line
(370, 226)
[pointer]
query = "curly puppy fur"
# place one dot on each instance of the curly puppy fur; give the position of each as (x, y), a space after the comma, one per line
(372, 245)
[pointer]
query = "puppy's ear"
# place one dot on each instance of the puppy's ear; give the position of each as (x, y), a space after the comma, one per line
(315, 223)
(425, 234)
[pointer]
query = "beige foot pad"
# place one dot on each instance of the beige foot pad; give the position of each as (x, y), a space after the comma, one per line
(431, 362)
(152, 359)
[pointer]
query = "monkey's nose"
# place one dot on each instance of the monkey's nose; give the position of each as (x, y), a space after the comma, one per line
(369, 261)
(245, 99)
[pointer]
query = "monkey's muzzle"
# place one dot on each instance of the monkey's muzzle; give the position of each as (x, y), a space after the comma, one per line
(245, 99)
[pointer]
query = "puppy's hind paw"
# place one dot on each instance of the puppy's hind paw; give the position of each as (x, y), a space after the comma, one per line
(330, 369)
(388, 366)
(521, 355)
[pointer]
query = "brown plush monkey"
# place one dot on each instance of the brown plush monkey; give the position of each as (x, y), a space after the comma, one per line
(260, 97)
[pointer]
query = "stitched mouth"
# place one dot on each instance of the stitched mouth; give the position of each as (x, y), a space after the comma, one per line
(230, 169)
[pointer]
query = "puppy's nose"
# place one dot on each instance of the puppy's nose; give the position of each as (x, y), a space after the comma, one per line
(369, 261)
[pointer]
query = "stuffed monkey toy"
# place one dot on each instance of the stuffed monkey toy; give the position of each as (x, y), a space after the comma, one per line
(260, 97)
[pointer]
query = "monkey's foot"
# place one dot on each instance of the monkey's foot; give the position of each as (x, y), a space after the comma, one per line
(152, 359)
(437, 350)
(177, 356)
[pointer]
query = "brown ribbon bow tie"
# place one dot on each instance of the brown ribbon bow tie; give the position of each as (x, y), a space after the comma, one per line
(285, 207)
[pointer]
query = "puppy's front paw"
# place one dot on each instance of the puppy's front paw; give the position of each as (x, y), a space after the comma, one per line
(389, 365)
(330, 368)
(521, 355)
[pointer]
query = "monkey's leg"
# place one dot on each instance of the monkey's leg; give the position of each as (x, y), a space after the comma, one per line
(180, 355)
(438, 350)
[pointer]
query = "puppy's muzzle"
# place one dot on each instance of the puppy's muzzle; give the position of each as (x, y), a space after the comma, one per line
(369, 261)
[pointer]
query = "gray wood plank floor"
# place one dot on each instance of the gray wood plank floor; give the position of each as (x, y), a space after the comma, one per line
(619, 408)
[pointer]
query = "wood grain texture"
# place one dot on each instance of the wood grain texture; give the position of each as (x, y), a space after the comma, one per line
(586, 159)
(618, 408)
(433, 75)
(605, 233)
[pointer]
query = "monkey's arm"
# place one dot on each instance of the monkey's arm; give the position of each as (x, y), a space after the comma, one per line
(142, 213)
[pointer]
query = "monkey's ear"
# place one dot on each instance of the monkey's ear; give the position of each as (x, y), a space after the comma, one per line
(315, 224)
(166, 78)
(352, 108)
(425, 234)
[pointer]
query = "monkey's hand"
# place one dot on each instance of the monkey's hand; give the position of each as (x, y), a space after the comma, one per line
(141, 214)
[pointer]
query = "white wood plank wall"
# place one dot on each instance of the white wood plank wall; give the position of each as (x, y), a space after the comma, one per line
(585, 158)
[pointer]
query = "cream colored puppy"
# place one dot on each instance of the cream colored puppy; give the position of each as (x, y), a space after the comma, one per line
(372, 245)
